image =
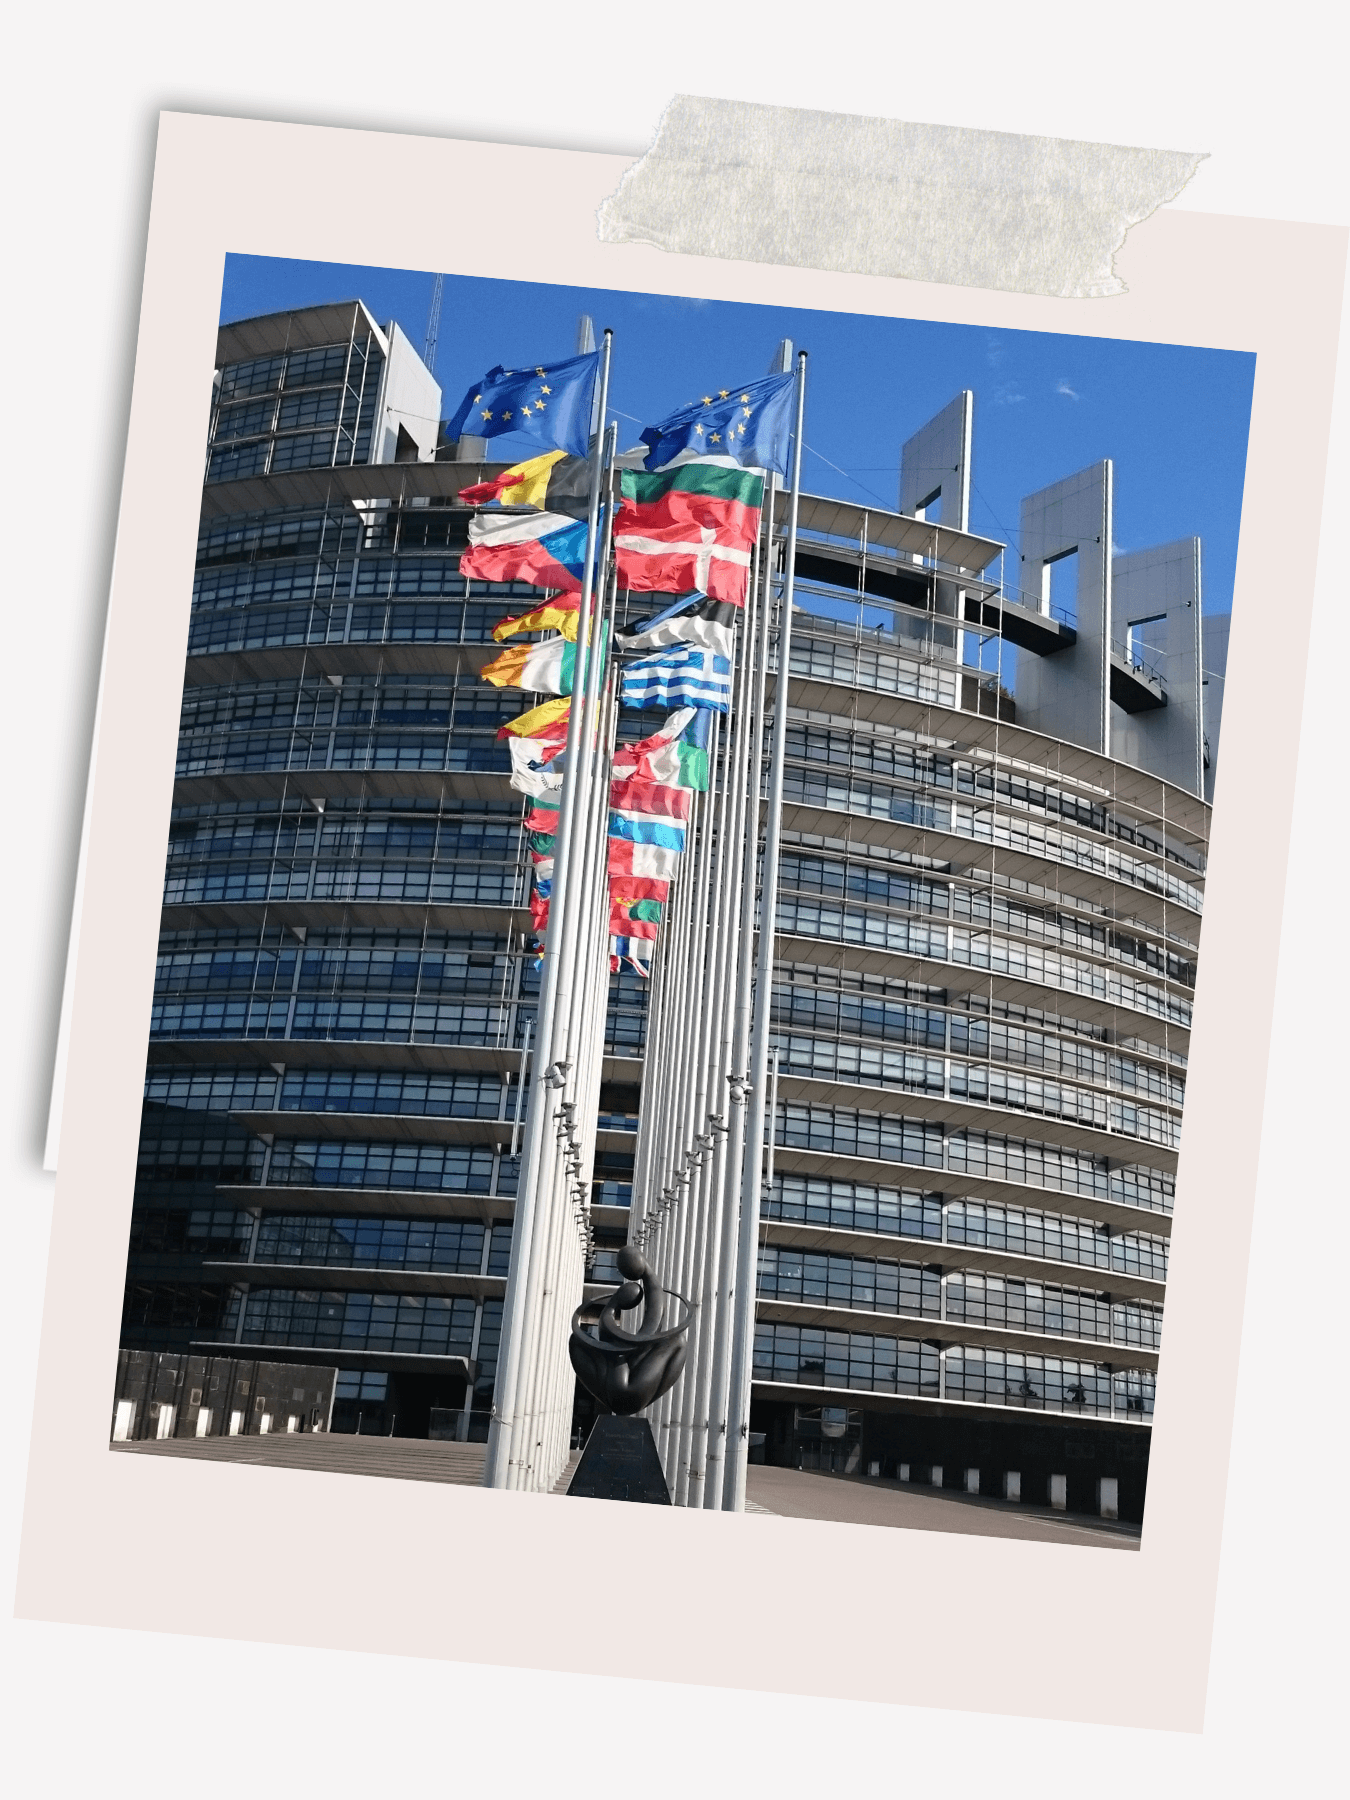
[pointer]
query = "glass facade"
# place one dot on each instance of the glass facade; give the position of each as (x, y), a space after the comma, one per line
(980, 1011)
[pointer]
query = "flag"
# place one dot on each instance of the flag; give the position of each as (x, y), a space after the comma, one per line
(544, 549)
(554, 482)
(539, 909)
(657, 798)
(637, 887)
(546, 668)
(550, 403)
(542, 820)
(694, 619)
(677, 677)
(636, 952)
(546, 724)
(692, 526)
(558, 614)
(635, 918)
(676, 755)
(655, 861)
(643, 829)
(751, 424)
(527, 774)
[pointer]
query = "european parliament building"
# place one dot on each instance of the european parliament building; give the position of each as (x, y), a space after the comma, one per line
(994, 837)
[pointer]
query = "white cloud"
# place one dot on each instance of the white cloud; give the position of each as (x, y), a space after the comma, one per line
(1007, 395)
(1062, 387)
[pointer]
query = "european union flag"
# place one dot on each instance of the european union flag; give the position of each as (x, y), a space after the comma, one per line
(550, 403)
(751, 424)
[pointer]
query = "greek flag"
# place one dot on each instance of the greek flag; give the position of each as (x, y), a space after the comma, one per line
(684, 675)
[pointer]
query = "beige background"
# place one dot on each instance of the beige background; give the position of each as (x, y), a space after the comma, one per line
(773, 1603)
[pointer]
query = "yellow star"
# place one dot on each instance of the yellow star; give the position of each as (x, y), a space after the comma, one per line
(745, 396)
(707, 399)
(746, 411)
(741, 430)
(539, 406)
(538, 371)
(716, 438)
(477, 398)
(546, 389)
(506, 415)
(698, 431)
(525, 412)
(486, 413)
(721, 393)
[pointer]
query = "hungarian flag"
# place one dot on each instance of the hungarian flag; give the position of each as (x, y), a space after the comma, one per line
(543, 549)
(546, 668)
(691, 526)
(555, 482)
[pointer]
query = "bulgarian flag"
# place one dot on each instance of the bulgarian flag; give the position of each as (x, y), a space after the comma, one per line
(691, 526)
(546, 668)
(543, 821)
(547, 550)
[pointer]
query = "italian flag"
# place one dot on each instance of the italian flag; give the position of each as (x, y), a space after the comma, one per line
(691, 526)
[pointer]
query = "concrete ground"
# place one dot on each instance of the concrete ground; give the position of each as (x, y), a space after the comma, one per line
(789, 1493)
(857, 1500)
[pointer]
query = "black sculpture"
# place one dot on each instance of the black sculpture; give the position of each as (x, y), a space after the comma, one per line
(627, 1370)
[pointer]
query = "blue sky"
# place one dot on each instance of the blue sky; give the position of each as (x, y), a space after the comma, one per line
(1174, 420)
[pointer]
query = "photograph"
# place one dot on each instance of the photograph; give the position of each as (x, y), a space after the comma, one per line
(682, 901)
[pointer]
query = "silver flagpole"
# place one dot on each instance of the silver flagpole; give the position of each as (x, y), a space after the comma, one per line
(497, 1461)
(551, 1219)
(713, 1321)
(747, 1248)
(737, 1084)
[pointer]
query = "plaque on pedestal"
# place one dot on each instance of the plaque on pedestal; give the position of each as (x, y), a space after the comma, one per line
(620, 1463)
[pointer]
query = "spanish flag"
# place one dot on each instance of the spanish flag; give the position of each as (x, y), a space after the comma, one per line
(558, 613)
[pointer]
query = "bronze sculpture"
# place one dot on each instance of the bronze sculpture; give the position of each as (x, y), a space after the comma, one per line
(627, 1370)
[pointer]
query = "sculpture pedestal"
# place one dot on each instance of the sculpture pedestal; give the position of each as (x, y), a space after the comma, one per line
(620, 1463)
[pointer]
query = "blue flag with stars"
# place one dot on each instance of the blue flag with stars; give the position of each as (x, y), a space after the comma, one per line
(751, 424)
(550, 403)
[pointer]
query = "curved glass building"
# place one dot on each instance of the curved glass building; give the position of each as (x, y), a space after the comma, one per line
(995, 829)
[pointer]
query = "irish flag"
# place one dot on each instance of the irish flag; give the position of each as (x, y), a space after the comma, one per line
(545, 549)
(546, 668)
(689, 526)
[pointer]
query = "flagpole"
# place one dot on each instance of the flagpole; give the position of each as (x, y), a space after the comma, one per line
(714, 1320)
(542, 1288)
(747, 1249)
(738, 1077)
(497, 1464)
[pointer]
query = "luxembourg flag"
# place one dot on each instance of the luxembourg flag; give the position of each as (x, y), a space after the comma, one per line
(547, 550)
(642, 829)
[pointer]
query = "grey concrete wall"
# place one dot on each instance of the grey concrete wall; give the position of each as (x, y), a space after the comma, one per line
(1164, 580)
(936, 460)
(411, 397)
(1213, 673)
(1067, 695)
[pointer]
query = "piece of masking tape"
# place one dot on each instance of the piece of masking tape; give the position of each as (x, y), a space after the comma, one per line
(821, 190)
